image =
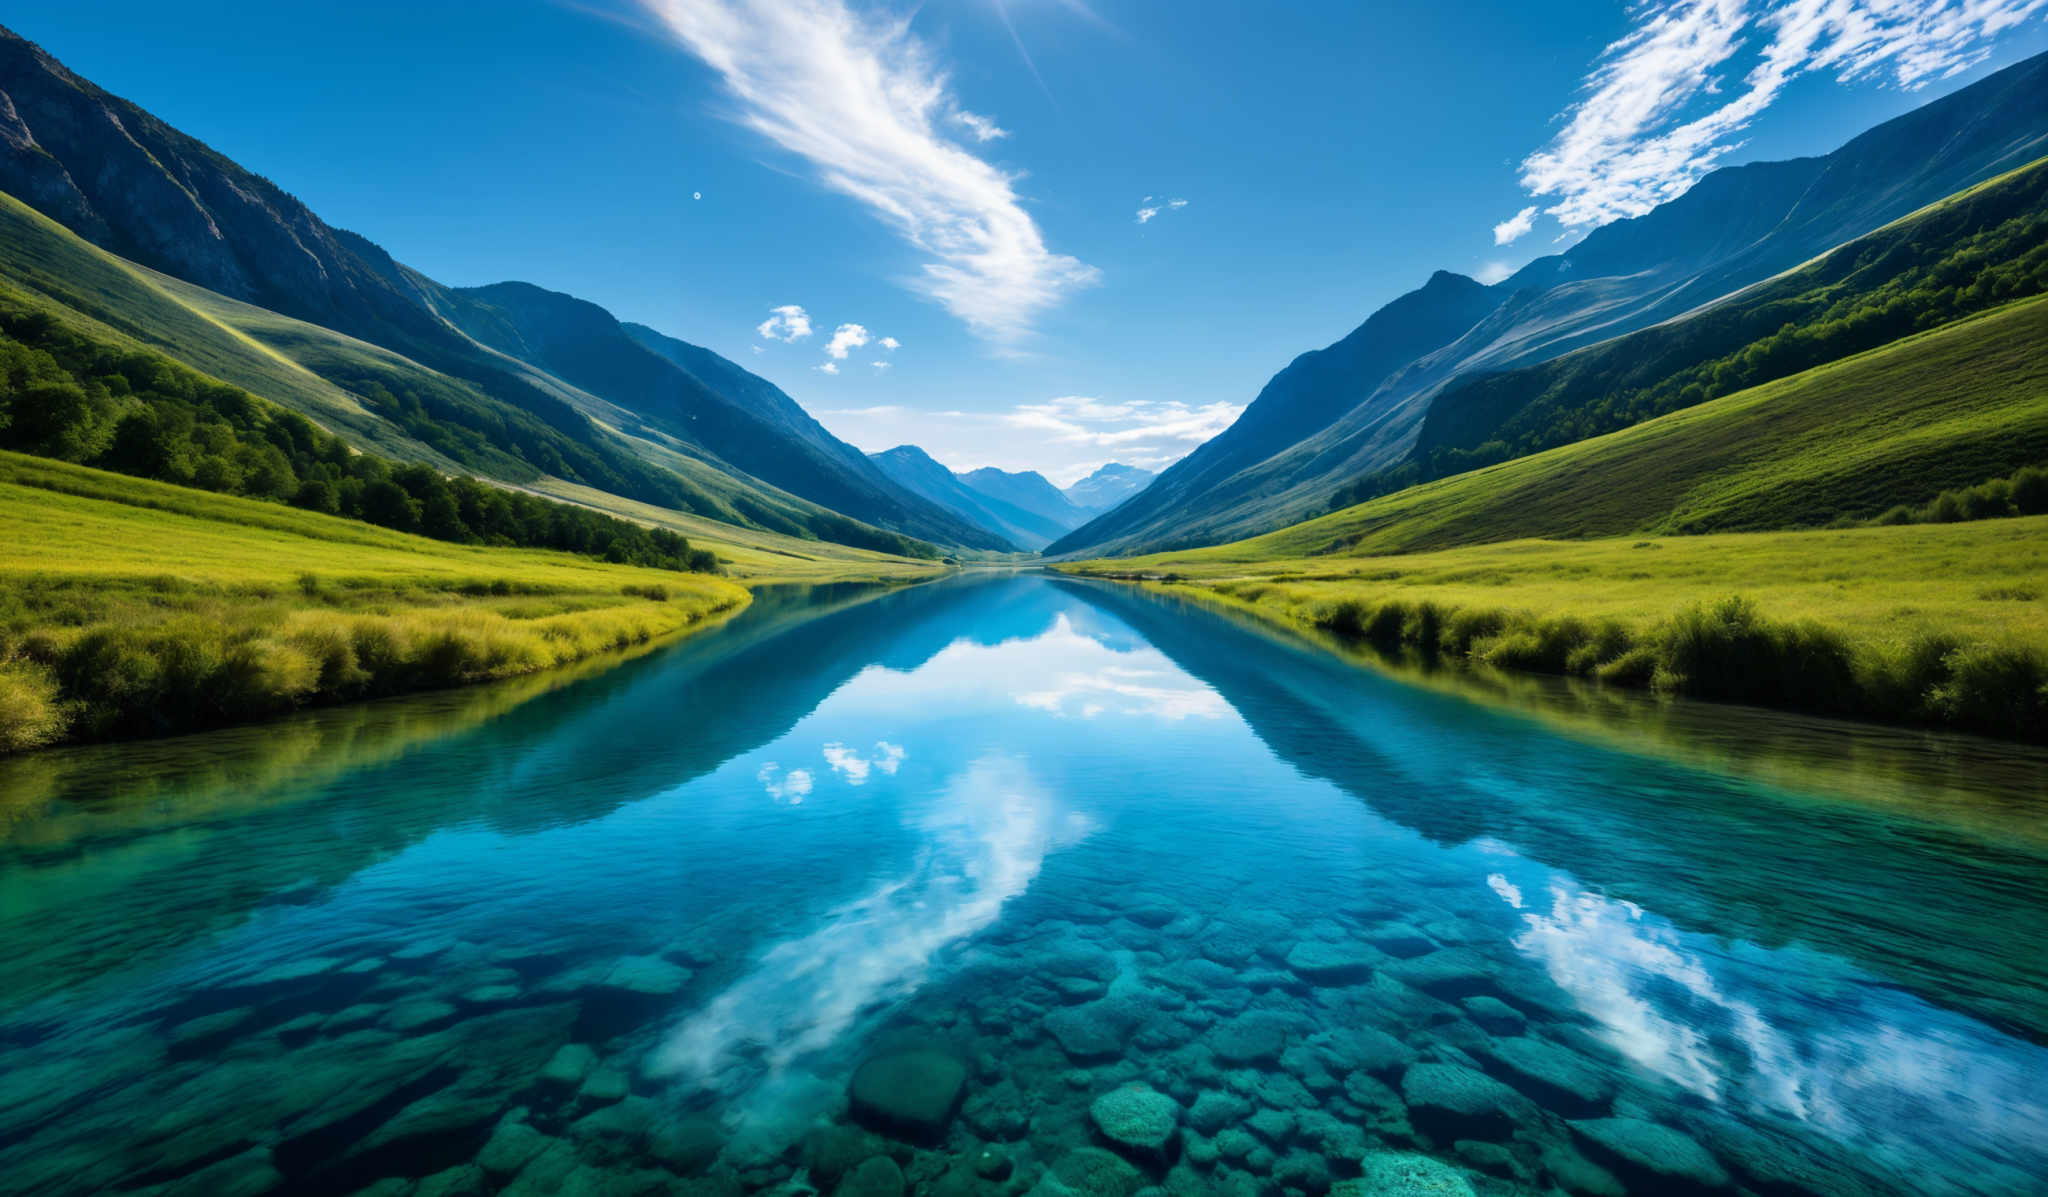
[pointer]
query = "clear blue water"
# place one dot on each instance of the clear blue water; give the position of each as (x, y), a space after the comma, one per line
(1000, 885)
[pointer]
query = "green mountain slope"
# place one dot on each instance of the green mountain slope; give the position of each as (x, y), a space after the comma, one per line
(1971, 252)
(1356, 407)
(126, 182)
(1945, 409)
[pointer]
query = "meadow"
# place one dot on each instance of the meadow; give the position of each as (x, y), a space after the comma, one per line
(130, 607)
(1942, 624)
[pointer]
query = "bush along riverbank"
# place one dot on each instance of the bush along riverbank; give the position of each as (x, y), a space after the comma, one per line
(132, 608)
(1730, 650)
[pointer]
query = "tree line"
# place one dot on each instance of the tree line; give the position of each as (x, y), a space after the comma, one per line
(135, 412)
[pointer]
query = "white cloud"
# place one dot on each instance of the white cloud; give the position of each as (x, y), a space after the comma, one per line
(1492, 272)
(855, 767)
(1162, 694)
(845, 338)
(788, 323)
(756, 348)
(860, 99)
(978, 127)
(1150, 208)
(890, 343)
(1656, 113)
(789, 788)
(1514, 227)
(879, 364)
(828, 368)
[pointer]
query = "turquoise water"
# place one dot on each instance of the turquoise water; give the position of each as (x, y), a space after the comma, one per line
(1000, 886)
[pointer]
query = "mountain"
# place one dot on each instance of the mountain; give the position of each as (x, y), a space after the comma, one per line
(1357, 406)
(468, 370)
(914, 469)
(1107, 487)
(1029, 491)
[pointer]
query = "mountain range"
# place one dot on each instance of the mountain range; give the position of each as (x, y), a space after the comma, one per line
(1023, 507)
(1356, 407)
(525, 381)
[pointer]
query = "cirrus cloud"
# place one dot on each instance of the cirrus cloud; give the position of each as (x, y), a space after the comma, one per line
(1657, 113)
(861, 99)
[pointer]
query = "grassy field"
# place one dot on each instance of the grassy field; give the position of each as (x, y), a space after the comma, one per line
(130, 607)
(1947, 408)
(1937, 623)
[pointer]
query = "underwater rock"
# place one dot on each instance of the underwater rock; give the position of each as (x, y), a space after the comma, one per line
(463, 1180)
(997, 1112)
(1487, 1157)
(1651, 1155)
(1576, 1174)
(876, 1176)
(1093, 1030)
(618, 1131)
(1235, 1143)
(1451, 1101)
(1198, 1150)
(195, 1032)
(1403, 1174)
(1250, 1039)
(246, 1175)
(1364, 1050)
(1094, 1172)
(1216, 1109)
(605, 1083)
(830, 1152)
(510, 1147)
(569, 1065)
(1302, 1171)
(1274, 1126)
(1137, 1118)
(646, 976)
(910, 1093)
(1494, 1015)
(1331, 963)
(1400, 940)
(1451, 973)
(1555, 1076)
(419, 1014)
(991, 1163)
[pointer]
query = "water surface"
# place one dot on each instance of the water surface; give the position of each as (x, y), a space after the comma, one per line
(1004, 885)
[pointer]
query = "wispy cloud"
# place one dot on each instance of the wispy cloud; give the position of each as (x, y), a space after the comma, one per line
(1656, 112)
(1493, 272)
(862, 100)
(845, 339)
(979, 127)
(829, 368)
(1150, 207)
(788, 323)
(1064, 438)
(1515, 227)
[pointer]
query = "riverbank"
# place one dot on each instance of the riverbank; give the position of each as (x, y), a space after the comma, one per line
(1937, 624)
(131, 608)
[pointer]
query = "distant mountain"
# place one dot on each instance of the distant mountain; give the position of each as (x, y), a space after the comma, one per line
(914, 469)
(1107, 487)
(501, 374)
(1356, 407)
(1028, 490)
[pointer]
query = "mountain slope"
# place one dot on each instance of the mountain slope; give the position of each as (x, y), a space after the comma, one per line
(1107, 487)
(1357, 406)
(914, 469)
(1027, 490)
(129, 183)
(1945, 409)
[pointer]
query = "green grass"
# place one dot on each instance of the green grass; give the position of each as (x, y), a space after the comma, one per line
(130, 607)
(1931, 623)
(1949, 408)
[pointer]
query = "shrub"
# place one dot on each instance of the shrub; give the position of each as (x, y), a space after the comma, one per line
(1994, 688)
(30, 713)
(1467, 626)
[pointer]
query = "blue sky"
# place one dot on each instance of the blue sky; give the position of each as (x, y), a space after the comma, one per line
(966, 178)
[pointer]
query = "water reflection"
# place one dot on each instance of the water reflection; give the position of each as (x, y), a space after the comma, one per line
(641, 931)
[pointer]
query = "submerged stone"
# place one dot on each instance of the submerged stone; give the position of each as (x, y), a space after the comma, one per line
(1216, 1109)
(911, 1093)
(873, 1177)
(1366, 1050)
(1400, 939)
(1331, 963)
(1650, 1153)
(1403, 1174)
(1096, 1172)
(647, 976)
(1137, 1118)
(1555, 1076)
(1494, 1015)
(1093, 1030)
(569, 1065)
(1249, 1039)
(1455, 1102)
